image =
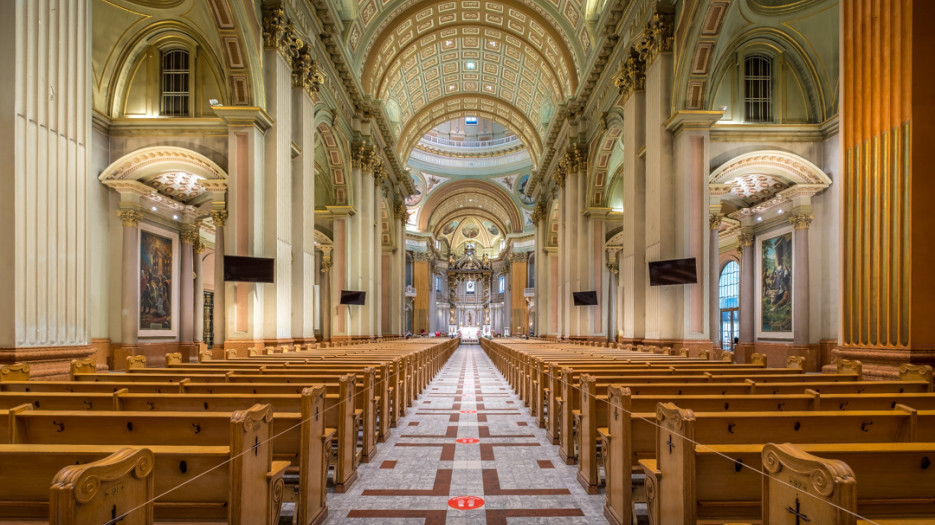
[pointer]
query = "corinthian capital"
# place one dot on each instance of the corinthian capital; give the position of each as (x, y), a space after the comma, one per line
(714, 221)
(801, 221)
(632, 74)
(219, 217)
(129, 217)
(279, 34)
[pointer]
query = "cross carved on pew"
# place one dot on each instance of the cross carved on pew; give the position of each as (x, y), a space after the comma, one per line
(799, 517)
(670, 444)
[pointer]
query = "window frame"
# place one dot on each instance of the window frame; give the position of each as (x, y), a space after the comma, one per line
(184, 73)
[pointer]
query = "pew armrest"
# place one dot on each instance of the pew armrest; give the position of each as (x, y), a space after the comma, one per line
(276, 489)
(651, 487)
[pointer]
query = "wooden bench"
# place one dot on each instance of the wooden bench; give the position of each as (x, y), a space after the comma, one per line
(690, 478)
(247, 490)
(887, 482)
(340, 415)
(76, 485)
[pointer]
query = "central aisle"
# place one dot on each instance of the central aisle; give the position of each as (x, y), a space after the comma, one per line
(506, 469)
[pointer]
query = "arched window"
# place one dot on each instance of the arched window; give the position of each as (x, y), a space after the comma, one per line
(729, 302)
(176, 88)
(758, 92)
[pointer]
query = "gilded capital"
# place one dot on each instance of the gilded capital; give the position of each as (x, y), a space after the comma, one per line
(219, 217)
(561, 173)
(199, 245)
(190, 236)
(279, 34)
(801, 221)
(326, 264)
(129, 217)
(714, 221)
(305, 71)
(363, 156)
(658, 37)
(632, 74)
(614, 267)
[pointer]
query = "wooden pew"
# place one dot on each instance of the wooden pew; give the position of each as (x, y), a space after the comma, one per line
(247, 490)
(691, 480)
(886, 482)
(76, 485)
(339, 414)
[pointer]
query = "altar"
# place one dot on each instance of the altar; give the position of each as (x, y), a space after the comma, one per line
(469, 296)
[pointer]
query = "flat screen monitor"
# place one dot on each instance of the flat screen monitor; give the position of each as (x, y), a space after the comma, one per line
(675, 271)
(352, 297)
(585, 298)
(249, 269)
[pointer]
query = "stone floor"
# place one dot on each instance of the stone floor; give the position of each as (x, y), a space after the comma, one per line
(506, 471)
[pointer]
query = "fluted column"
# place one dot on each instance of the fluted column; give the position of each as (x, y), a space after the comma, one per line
(189, 237)
(376, 326)
(325, 295)
(130, 281)
(220, 293)
(199, 314)
(800, 221)
(748, 290)
(714, 303)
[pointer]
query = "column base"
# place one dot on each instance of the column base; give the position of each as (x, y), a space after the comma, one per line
(883, 363)
(49, 363)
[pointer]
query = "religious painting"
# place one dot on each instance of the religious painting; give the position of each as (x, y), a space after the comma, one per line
(450, 227)
(521, 188)
(416, 197)
(470, 231)
(158, 307)
(491, 228)
(775, 273)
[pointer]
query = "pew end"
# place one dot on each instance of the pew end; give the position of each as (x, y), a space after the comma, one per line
(106, 489)
(136, 361)
(82, 366)
(173, 358)
(795, 361)
(204, 355)
(727, 356)
(818, 488)
(849, 366)
(758, 359)
(14, 372)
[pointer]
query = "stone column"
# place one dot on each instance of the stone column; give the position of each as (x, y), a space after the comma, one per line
(220, 292)
(613, 302)
(189, 237)
(325, 295)
(280, 50)
(376, 326)
(714, 303)
(800, 221)
(197, 249)
(632, 84)
(569, 250)
(130, 279)
(748, 290)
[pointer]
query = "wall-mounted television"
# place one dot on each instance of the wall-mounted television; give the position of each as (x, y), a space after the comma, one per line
(249, 269)
(585, 298)
(674, 271)
(353, 297)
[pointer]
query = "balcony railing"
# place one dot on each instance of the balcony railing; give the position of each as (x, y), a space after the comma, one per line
(470, 143)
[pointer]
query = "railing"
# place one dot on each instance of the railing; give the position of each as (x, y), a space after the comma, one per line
(471, 143)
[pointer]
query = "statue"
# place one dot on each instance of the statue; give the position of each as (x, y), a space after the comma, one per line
(485, 262)
(451, 316)
(487, 313)
(451, 260)
(470, 319)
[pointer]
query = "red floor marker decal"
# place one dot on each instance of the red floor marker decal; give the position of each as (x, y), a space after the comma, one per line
(466, 503)
(467, 441)
(469, 411)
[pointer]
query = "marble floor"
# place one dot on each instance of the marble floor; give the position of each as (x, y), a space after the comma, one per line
(467, 452)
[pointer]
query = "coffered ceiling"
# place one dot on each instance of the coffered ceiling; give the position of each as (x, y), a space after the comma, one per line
(507, 61)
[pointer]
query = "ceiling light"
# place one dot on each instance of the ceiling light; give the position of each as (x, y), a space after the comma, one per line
(488, 87)
(175, 217)
(447, 42)
(780, 211)
(493, 44)
(759, 219)
(471, 65)
(451, 87)
(154, 208)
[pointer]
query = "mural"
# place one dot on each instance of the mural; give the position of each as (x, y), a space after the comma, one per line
(520, 188)
(470, 231)
(776, 284)
(450, 228)
(416, 197)
(156, 281)
(492, 228)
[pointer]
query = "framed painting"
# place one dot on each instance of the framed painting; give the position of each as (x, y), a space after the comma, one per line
(775, 273)
(158, 271)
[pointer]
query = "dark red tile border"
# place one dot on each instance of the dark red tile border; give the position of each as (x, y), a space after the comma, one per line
(452, 432)
(492, 487)
(388, 464)
(441, 487)
(499, 516)
(544, 463)
(448, 449)
(432, 517)
(483, 431)
(486, 449)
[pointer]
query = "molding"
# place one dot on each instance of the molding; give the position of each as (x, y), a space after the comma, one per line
(244, 116)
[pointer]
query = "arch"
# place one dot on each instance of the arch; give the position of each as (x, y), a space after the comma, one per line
(336, 161)
(457, 193)
(788, 166)
(601, 159)
(178, 178)
(163, 35)
(456, 106)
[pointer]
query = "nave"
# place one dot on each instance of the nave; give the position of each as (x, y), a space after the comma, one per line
(506, 464)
